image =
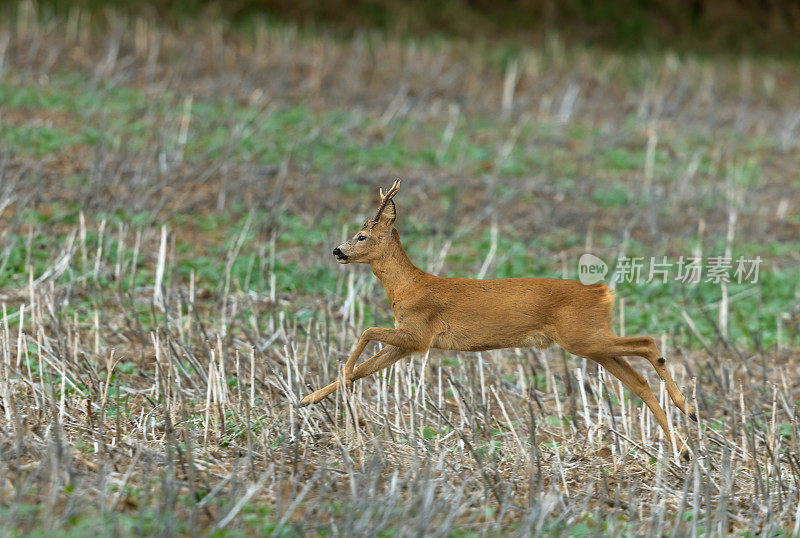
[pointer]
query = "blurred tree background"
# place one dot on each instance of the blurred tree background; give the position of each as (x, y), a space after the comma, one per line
(708, 26)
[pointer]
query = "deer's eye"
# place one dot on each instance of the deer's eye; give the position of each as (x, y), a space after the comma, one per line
(362, 237)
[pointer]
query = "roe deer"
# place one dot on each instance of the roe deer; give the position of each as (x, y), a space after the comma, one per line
(474, 315)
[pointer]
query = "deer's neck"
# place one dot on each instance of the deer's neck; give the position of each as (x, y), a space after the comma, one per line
(395, 270)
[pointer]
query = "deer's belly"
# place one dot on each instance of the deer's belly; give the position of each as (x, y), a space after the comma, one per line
(469, 342)
(537, 340)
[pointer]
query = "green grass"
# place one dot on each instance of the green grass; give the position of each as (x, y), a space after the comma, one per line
(126, 120)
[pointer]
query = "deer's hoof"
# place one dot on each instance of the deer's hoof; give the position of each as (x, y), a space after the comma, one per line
(685, 455)
(308, 400)
(693, 416)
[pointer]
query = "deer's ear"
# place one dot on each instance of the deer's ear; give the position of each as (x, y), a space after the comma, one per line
(388, 214)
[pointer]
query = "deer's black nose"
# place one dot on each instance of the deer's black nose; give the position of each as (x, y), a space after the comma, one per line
(339, 254)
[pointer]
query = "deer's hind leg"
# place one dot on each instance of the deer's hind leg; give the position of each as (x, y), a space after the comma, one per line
(633, 380)
(604, 348)
(636, 383)
(645, 346)
(602, 342)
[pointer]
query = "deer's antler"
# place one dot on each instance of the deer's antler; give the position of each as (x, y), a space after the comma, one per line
(394, 189)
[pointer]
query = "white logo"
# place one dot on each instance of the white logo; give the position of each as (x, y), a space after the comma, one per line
(591, 269)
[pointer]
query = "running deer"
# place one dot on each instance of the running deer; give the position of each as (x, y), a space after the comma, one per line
(465, 314)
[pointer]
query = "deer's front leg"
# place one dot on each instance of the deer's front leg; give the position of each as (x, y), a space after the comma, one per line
(381, 359)
(394, 337)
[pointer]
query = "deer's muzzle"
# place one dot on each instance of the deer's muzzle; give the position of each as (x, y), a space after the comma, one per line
(339, 255)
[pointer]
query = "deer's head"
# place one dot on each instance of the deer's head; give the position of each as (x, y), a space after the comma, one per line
(371, 240)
